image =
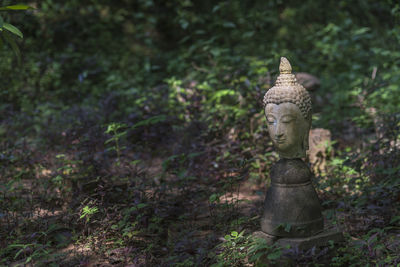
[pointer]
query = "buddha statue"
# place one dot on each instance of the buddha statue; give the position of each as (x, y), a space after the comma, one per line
(287, 108)
(291, 207)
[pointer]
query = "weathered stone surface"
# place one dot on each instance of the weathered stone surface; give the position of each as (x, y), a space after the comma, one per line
(304, 243)
(320, 148)
(318, 240)
(292, 211)
(291, 206)
(288, 129)
(310, 82)
(287, 107)
(269, 238)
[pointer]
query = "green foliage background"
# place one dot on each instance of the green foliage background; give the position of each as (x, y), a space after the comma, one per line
(78, 54)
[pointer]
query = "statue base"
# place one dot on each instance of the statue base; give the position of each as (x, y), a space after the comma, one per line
(303, 243)
(291, 207)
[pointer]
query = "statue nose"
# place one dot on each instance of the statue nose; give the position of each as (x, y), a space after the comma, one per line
(279, 131)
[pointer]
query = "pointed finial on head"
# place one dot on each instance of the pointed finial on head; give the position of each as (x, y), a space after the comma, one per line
(285, 66)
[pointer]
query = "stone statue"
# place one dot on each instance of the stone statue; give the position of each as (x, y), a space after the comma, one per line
(292, 211)
(288, 111)
(291, 206)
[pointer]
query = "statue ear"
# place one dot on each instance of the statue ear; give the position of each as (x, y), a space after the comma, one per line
(306, 141)
(306, 136)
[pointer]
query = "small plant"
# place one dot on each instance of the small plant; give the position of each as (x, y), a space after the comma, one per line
(30, 252)
(67, 176)
(115, 129)
(88, 212)
(263, 254)
(233, 250)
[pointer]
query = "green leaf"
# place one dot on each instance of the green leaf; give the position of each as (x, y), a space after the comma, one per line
(234, 234)
(16, 7)
(150, 121)
(109, 140)
(13, 29)
(28, 259)
(275, 255)
(216, 8)
(213, 198)
(361, 31)
(395, 219)
(1, 22)
(135, 162)
(256, 256)
(17, 246)
(13, 45)
(288, 226)
(141, 205)
(228, 24)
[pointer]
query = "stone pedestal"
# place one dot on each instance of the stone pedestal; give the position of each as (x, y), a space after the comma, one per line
(304, 243)
(291, 206)
(292, 211)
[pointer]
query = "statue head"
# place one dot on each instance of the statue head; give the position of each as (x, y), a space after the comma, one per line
(287, 107)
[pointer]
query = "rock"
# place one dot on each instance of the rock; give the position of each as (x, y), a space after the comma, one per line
(310, 82)
(320, 148)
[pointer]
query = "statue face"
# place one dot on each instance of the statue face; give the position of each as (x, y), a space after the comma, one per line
(288, 129)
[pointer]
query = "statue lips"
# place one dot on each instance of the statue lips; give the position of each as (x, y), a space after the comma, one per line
(280, 140)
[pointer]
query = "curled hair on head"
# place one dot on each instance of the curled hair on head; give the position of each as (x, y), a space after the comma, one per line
(288, 90)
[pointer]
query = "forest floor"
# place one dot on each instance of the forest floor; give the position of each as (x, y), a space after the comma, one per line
(174, 200)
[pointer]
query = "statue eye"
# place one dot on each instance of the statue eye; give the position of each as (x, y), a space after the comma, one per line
(287, 119)
(270, 119)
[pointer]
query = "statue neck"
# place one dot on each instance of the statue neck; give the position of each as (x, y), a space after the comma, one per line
(290, 155)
